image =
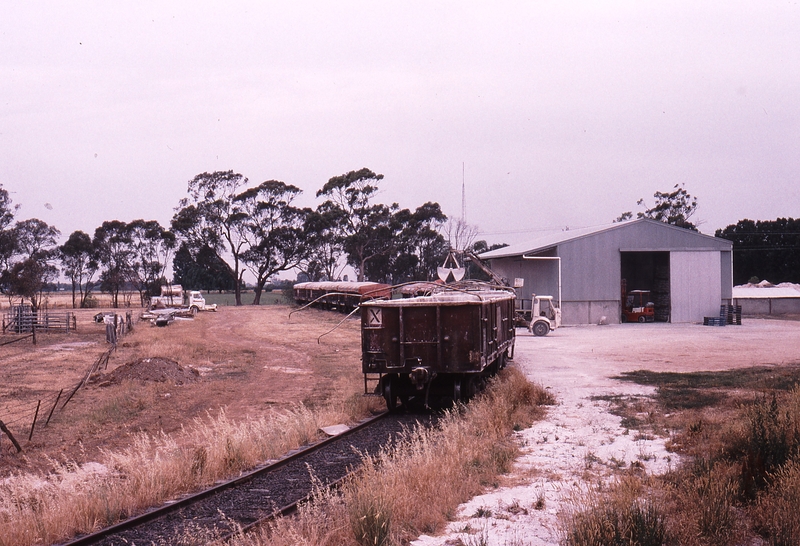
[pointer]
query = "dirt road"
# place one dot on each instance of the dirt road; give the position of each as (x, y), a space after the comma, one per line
(581, 442)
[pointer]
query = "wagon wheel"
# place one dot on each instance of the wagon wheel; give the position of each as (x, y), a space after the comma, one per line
(457, 390)
(389, 395)
(473, 386)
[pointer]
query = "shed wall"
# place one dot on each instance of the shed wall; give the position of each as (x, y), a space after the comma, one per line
(768, 306)
(591, 271)
(695, 285)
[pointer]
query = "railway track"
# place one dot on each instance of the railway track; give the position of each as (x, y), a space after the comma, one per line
(240, 504)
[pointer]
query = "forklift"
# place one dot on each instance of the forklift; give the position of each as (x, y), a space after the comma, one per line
(636, 305)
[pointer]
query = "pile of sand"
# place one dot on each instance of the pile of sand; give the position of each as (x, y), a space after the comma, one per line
(156, 369)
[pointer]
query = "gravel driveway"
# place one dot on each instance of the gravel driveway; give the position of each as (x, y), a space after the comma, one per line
(580, 442)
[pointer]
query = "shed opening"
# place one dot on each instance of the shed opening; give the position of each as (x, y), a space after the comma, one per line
(647, 271)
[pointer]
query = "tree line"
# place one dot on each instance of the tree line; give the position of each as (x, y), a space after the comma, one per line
(226, 227)
(223, 228)
(762, 250)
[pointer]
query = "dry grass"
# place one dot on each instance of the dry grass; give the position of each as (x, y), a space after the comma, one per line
(154, 468)
(435, 469)
(742, 479)
(618, 516)
(68, 498)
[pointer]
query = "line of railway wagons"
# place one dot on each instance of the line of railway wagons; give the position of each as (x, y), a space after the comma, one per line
(340, 296)
(433, 348)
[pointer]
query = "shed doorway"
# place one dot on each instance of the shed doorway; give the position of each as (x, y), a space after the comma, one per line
(647, 271)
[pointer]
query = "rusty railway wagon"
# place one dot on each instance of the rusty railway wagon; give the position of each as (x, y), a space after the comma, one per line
(341, 296)
(436, 348)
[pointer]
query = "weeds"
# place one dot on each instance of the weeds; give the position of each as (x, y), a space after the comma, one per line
(616, 518)
(744, 474)
(776, 513)
(481, 538)
(370, 519)
(435, 469)
(773, 438)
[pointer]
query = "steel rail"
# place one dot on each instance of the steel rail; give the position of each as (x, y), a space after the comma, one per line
(172, 506)
(287, 510)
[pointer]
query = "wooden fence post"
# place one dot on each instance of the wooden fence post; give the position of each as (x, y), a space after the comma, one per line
(33, 331)
(54, 407)
(10, 436)
(35, 415)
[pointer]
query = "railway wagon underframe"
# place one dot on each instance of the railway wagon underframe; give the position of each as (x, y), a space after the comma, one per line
(433, 348)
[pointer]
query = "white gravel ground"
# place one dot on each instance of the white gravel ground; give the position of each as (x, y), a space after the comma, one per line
(580, 442)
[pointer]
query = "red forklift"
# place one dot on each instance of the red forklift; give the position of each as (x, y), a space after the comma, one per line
(636, 305)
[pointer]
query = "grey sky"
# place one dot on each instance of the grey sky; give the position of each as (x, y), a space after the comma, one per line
(564, 113)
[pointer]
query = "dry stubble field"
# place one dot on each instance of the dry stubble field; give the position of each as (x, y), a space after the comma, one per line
(250, 360)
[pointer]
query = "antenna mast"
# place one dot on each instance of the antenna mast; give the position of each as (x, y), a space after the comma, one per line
(463, 195)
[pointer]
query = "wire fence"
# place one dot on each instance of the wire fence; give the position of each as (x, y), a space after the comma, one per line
(21, 418)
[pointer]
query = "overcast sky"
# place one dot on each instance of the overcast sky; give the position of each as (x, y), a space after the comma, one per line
(562, 114)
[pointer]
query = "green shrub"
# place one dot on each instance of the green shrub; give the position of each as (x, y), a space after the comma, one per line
(772, 438)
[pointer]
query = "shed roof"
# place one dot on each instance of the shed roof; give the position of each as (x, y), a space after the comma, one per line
(556, 238)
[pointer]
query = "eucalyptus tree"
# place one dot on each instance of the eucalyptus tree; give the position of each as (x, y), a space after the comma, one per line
(152, 247)
(365, 226)
(273, 231)
(673, 207)
(324, 236)
(79, 264)
(114, 246)
(416, 246)
(7, 241)
(32, 262)
(765, 250)
(211, 216)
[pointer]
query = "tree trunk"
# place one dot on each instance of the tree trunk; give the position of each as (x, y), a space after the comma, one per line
(237, 289)
(257, 290)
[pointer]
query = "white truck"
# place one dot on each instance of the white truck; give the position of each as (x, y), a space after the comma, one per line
(174, 297)
(545, 316)
(196, 302)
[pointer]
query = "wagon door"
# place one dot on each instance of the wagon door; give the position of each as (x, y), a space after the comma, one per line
(461, 338)
(420, 335)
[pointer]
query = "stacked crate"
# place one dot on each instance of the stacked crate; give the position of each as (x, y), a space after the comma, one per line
(728, 314)
(734, 314)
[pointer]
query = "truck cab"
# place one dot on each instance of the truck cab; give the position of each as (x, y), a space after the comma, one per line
(545, 315)
(198, 303)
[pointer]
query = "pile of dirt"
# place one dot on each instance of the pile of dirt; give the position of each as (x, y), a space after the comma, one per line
(154, 369)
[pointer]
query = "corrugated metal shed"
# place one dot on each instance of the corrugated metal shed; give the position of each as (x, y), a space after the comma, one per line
(689, 272)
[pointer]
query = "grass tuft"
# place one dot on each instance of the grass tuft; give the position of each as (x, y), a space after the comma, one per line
(614, 518)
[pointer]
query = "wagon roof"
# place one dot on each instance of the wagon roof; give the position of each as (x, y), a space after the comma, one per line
(339, 286)
(445, 299)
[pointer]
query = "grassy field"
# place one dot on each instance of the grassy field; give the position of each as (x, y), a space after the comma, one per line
(63, 299)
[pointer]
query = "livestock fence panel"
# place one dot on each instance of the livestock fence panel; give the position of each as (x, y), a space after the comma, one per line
(22, 319)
